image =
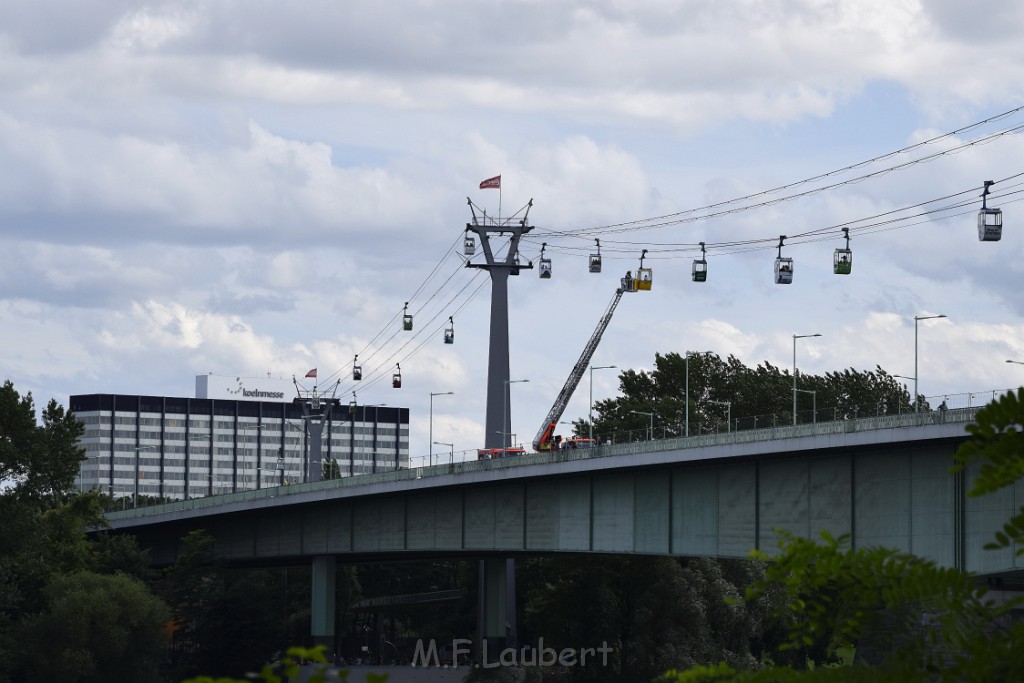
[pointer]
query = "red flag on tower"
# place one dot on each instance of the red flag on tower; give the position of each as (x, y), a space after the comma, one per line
(311, 373)
(494, 182)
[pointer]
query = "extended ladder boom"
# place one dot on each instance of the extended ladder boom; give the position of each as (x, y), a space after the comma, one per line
(543, 439)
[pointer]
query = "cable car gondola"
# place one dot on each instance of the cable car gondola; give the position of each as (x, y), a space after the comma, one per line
(469, 245)
(396, 379)
(357, 370)
(700, 266)
(644, 276)
(783, 267)
(842, 260)
(990, 221)
(449, 332)
(406, 318)
(545, 264)
(595, 259)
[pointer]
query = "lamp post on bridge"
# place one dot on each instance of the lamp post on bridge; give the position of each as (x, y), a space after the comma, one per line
(918, 318)
(504, 412)
(728, 413)
(138, 457)
(686, 387)
(795, 337)
(905, 377)
(814, 402)
(651, 416)
(259, 463)
(590, 417)
(451, 459)
(431, 439)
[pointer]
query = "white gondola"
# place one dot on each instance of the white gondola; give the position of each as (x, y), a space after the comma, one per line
(783, 267)
(595, 259)
(700, 266)
(990, 221)
(357, 370)
(644, 276)
(396, 379)
(469, 246)
(449, 332)
(406, 318)
(544, 267)
(842, 260)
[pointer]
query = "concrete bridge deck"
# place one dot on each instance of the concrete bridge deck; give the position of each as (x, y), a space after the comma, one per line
(883, 480)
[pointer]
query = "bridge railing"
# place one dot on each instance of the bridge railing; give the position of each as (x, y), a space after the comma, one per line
(725, 423)
(961, 415)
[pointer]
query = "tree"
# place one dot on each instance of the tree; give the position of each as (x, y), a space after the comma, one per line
(758, 397)
(937, 624)
(94, 628)
(225, 621)
(44, 524)
(654, 612)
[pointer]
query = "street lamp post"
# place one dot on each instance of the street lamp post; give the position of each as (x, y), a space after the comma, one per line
(903, 377)
(135, 503)
(795, 337)
(814, 402)
(504, 414)
(686, 388)
(440, 393)
(728, 413)
(451, 460)
(590, 418)
(651, 416)
(917, 318)
(259, 463)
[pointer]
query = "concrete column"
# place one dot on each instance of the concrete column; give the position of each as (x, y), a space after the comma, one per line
(496, 620)
(322, 608)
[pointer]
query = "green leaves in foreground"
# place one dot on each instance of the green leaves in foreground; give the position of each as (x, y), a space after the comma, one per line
(997, 441)
(289, 667)
(998, 444)
(849, 597)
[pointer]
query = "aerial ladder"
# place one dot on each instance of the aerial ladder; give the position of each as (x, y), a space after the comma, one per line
(544, 441)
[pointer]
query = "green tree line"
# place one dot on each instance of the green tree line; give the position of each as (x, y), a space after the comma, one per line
(764, 392)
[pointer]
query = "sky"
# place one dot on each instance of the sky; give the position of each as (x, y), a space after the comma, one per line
(257, 188)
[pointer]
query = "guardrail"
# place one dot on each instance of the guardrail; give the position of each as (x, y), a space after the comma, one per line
(766, 434)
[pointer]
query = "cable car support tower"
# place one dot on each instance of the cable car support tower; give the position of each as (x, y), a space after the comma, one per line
(499, 267)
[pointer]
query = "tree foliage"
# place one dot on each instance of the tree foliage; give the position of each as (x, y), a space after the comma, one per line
(764, 392)
(225, 621)
(94, 628)
(52, 578)
(655, 612)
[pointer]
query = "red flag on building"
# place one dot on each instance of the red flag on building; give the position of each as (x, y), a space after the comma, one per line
(494, 182)
(311, 373)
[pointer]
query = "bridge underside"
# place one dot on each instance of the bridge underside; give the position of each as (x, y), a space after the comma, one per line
(900, 496)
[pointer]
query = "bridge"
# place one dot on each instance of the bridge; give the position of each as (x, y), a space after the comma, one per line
(883, 480)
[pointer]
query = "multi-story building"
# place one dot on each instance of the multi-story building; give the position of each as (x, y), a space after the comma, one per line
(177, 448)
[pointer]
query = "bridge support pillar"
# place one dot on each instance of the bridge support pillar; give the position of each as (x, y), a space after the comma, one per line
(496, 617)
(322, 608)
